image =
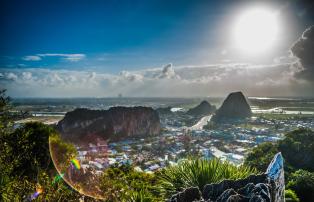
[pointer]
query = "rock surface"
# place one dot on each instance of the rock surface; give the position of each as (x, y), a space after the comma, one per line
(114, 123)
(235, 106)
(267, 187)
(204, 108)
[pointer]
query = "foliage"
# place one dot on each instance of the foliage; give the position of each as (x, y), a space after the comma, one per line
(261, 156)
(21, 189)
(25, 161)
(27, 150)
(198, 173)
(16, 189)
(5, 117)
(291, 196)
(123, 183)
(298, 149)
(62, 152)
(302, 182)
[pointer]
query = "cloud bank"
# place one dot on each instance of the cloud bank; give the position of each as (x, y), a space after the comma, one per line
(167, 81)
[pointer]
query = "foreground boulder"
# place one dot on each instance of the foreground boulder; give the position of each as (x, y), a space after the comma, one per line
(204, 108)
(267, 187)
(235, 106)
(114, 123)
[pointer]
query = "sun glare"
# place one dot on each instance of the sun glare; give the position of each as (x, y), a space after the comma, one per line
(255, 31)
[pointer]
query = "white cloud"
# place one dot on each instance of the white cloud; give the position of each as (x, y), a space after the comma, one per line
(68, 57)
(27, 75)
(11, 76)
(129, 76)
(31, 58)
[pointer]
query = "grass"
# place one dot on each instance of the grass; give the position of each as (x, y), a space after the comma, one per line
(198, 173)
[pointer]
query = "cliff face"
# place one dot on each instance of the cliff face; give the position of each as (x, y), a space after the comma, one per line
(115, 123)
(204, 108)
(268, 187)
(234, 106)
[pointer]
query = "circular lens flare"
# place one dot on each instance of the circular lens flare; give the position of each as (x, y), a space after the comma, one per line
(79, 164)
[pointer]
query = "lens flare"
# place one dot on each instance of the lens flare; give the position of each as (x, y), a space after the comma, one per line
(57, 178)
(39, 190)
(80, 164)
(76, 164)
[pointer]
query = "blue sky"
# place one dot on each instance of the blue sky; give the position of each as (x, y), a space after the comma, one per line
(119, 34)
(111, 37)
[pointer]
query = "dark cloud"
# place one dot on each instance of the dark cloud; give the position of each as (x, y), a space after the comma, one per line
(303, 48)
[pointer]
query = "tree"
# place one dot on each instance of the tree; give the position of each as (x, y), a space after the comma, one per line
(302, 182)
(25, 161)
(5, 117)
(261, 156)
(298, 149)
(26, 150)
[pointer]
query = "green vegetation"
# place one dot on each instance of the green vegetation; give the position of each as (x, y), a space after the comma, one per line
(25, 161)
(302, 182)
(123, 183)
(261, 156)
(198, 173)
(297, 149)
(291, 196)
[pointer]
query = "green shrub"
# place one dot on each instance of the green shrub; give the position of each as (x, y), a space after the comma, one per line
(297, 149)
(198, 173)
(261, 156)
(123, 183)
(291, 196)
(302, 182)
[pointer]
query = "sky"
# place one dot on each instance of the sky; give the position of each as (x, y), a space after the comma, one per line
(155, 48)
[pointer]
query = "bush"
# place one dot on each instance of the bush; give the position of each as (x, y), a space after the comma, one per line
(26, 151)
(291, 196)
(302, 182)
(123, 183)
(261, 156)
(298, 149)
(198, 173)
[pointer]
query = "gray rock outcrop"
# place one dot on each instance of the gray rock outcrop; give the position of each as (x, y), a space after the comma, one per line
(114, 123)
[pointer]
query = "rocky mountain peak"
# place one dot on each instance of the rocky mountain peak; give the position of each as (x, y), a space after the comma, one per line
(235, 106)
(114, 123)
(204, 108)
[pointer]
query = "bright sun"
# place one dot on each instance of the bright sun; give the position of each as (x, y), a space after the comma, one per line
(255, 31)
